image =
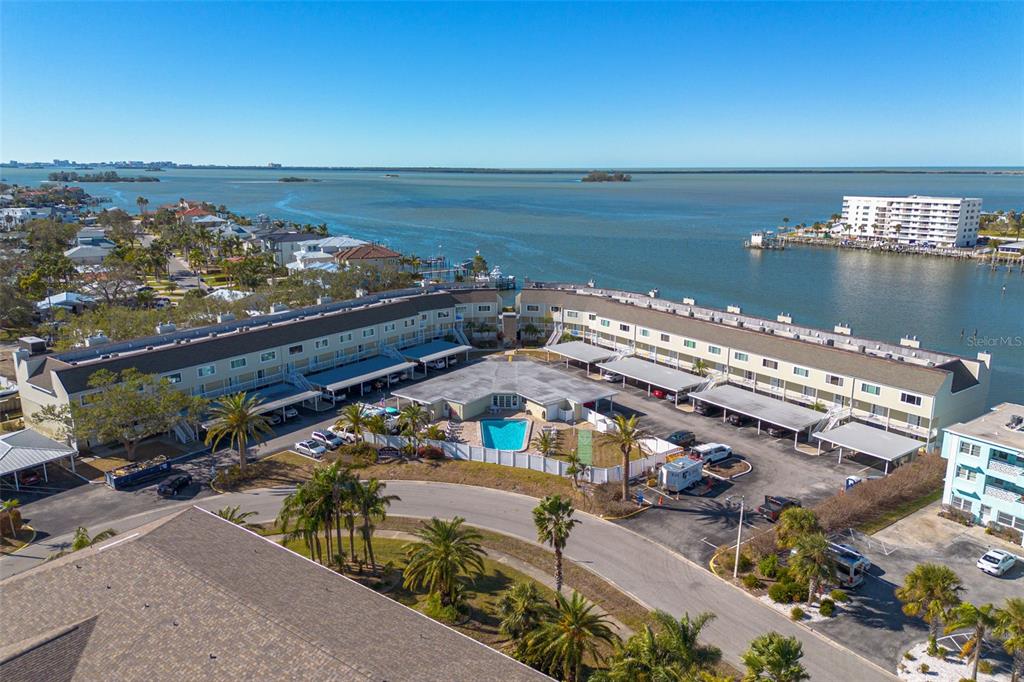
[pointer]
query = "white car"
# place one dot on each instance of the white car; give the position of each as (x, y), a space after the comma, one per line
(310, 448)
(713, 452)
(437, 364)
(610, 377)
(290, 412)
(996, 562)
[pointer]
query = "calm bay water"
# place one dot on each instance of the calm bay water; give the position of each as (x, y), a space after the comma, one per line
(680, 233)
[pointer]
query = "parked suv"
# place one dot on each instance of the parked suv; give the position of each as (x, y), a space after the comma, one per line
(737, 419)
(682, 438)
(774, 506)
(713, 452)
(174, 485)
(706, 409)
(327, 439)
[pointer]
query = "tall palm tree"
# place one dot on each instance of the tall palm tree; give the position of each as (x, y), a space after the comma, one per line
(376, 424)
(794, 523)
(812, 561)
(626, 436)
(545, 442)
(237, 418)
(554, 522)
(9, 506)
(352, 417)
(372, 504)
(700, 368)
(774, 658)
(680, 639)
(576, 467)
(929, 592)
(1010, 627)
(236, 516)
(298, 519)
(668, 650)
(413, 417)
(142, 203)
(980, 620)
(443, 555)
(573, 633)
(521, 609)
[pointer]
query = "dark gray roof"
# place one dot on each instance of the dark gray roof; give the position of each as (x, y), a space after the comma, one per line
(27, 448)
(195, 597)
(278, 237)
(762, 407)
(928, 380)
(870, 440)
(581, 351)
(201, 350)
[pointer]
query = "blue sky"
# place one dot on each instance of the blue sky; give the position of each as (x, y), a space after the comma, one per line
(515, 85)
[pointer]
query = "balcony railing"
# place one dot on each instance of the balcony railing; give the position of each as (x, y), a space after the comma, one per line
(1001, 467)
(1003, 494)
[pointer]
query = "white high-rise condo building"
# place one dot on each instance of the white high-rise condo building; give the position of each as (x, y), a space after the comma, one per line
(939, 221)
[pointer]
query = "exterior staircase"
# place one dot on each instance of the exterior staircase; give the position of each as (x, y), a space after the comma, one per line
(296, 379)
(556, 334)
(184, 433)
(460, 336)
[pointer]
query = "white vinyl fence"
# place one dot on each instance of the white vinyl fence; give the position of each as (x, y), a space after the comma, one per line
(526, 460)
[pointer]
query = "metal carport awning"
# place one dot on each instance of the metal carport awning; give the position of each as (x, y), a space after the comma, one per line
(434, 350)
(581, 351)
(27, 449)
(764, 409)
(868, 440)
(670, 379)
(358, 373)
(276, 397)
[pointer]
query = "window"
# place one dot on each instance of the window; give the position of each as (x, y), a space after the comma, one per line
(801, 372)
(443, 314)
(345, 337)
(389, 327)
(591, 316)
(572, 314)
(645, 332)
(532, 308)
(368, 333)
(714, 350)
(966, 474)
(971, 449)
(742, 357)
(483, 308)
(960, 503)
(870, 389)
(910, 399)
(1008, 520)
(268, 356)
(770, 364)
(665, 338)
(410, 323)
(555, 308)
(1001, 455)
(174, 378)
(322, 343)
(689, 344)
(295, 350)
(238, 363)
(833, 380)
(605, 323)
(623, 327)
(208, 370)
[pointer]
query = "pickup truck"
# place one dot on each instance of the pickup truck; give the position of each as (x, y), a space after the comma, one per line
(774, 506)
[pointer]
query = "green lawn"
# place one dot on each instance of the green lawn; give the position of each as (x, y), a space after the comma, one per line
(483, 594)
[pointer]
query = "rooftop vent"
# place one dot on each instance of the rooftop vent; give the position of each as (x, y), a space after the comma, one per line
(735, 309)
(910, 342)
(689, 301)
(149, 347)
(1016, 423)
(784, 318)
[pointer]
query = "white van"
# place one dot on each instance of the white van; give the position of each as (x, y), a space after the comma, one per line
(713, 452)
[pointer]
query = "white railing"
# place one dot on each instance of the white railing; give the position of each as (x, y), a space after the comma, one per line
(1005, 468)
(1002, 494)
(242, 386)
(526, 460)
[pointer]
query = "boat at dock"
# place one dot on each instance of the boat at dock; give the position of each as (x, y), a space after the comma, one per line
(764, 239)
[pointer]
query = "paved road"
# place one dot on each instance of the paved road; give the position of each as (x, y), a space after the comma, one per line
(651, 573)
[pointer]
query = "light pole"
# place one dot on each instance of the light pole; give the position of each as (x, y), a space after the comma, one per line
(739, 538)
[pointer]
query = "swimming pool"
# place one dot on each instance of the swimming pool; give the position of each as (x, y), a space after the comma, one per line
(504, 434)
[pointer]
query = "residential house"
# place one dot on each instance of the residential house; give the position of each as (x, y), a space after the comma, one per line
(88, 254)
(374, 255)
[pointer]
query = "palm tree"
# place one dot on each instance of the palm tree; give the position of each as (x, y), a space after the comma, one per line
(794, 523)
(142, 203)
(679, 639)
(1010, 626)
(980, 620)
(700, 368)
(443, 555)
(546, 442)
(82, 539)
(929, 592)
(625, 437)
(812, 561)
(668, 651)
(434, 432)
(376, 424)
(236, 516)
(576, 467)
(413, 416)
(8, 506)
(774, 658)
(353, 418)
(554, 522)
(372, 504)
(521, 609)
(237, 418)
(573, 633)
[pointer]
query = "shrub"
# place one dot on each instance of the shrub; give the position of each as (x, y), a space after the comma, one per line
(827, 608)
(431, 452)
(909, 656)
(779, 593)
(362, 454)
(769, 566)
(446, 614)
(1006, 533)
(958, 515)
(752, 582)
(796, 613)
(838, 596)
(727, 557)
(985, 667)
(924, 667)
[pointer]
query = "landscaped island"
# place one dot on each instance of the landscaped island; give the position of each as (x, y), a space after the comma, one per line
(105, 176)
(292, 178)
(601, 176)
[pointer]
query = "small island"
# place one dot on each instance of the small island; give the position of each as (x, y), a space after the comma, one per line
(292, 178)
(106, 176)
(601, 176)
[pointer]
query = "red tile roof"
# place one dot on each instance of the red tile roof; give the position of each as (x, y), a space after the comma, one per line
(366, 252)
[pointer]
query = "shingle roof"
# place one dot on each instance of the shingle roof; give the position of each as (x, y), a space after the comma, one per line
(919, 378)
(196, 597)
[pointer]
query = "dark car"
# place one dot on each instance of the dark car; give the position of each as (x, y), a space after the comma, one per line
(737, 419)
(682, 438)
(774, 506)
(30, 477)
(778, 432)
(706, 409)
(174, 485)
